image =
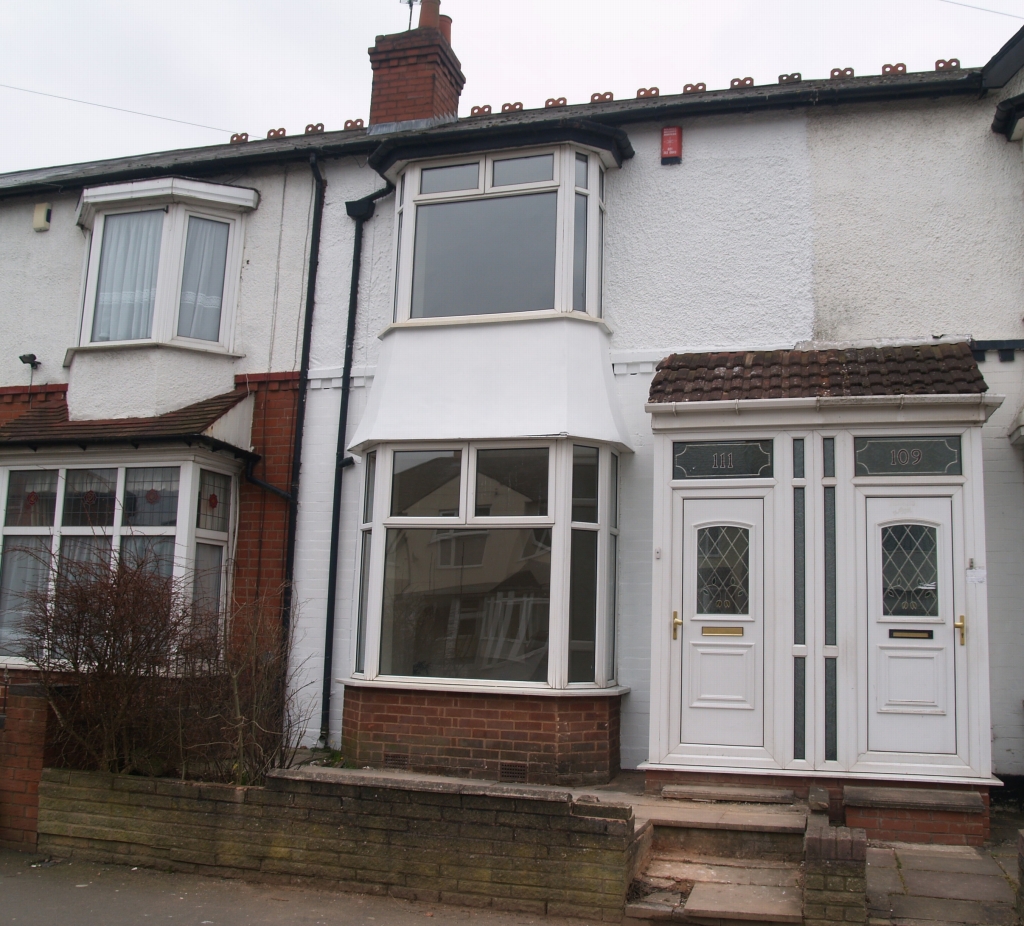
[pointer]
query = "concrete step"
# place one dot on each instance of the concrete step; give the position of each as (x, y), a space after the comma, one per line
(743, 903)
(726, 831)
(728, 794)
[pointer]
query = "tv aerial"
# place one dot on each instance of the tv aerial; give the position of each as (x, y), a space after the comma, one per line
(410, 4)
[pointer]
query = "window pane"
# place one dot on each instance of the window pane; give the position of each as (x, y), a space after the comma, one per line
(524, 170)
(828, 453)
(613, 497)
(398, 264)
(582, 606)
(798, 458)
(155, 555)
(80, 556)
(600, 177)
(799, 566)
(371, 477)
(830, 565)
(799, 707)
(425, 483)
(31, 498)
(206, 581)
(484, 256)
(910, 570)
(579, 256)
(24, 569)
(445, 179)
(202, 279)
(723, 570)
(364, 588)
(214, 501)
(584, 484)
(613, 568)
(126, 285)
(512, 482)
(488, 620)
(600, 263)
(89, 496)
(151, 496)
(582, 162)
(831, 711)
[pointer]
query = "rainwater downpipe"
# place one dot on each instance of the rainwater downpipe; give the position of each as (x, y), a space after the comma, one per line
(362, 211)
(300, 405)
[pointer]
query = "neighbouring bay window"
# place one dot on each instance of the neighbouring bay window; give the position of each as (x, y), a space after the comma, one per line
(500, 234)
(488, 561)
(173, 518)
(164, 262)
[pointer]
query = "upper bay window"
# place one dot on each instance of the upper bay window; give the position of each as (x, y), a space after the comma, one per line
(502, 233)
(474, 566)
(164, 262)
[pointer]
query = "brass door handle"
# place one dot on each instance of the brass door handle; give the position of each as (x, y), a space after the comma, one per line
(962, 627)
(676, 624)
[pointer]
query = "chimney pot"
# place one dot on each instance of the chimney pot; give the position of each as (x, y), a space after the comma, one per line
(444, 25)
(430, 13)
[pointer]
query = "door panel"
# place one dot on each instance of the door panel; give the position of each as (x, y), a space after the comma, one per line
(911, 671)
(723, 622)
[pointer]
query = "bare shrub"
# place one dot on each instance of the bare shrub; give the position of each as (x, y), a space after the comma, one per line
(142, 679)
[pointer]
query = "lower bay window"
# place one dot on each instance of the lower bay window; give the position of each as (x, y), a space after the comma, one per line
(171, 517)
(488, 562)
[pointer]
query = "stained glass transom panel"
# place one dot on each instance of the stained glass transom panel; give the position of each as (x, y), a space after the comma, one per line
(723, 570)
(910, 570)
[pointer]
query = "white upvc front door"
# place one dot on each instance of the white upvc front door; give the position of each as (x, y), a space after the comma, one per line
(721, 616)
(913, 642)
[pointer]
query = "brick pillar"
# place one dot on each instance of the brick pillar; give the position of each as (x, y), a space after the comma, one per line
(835, 873)
(22, 752)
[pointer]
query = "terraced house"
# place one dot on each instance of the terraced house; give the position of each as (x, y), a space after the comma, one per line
(677, 433)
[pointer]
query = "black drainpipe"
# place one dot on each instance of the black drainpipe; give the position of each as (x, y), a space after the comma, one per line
(300, 409)
(362, 211)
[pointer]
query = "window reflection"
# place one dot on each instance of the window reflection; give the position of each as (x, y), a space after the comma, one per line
(426, 483)
(512, 483)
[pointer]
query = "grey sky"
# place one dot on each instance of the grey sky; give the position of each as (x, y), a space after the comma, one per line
(253, 65)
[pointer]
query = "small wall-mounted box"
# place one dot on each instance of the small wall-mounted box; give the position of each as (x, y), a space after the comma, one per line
(672, 144)
(41, 217)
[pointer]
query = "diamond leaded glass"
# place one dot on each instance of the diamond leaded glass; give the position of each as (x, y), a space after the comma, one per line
(723, 570)
(910, 570)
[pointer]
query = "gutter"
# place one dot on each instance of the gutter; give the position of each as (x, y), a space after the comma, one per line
(300, 411)
(362, 211)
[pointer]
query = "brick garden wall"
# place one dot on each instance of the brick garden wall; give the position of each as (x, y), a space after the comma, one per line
(530, 850)
(548, 740)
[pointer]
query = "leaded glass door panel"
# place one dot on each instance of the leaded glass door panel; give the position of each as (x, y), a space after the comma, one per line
(911, 637)
(722, 636)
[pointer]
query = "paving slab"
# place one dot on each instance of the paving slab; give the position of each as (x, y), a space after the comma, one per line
(728, 793)
(724, 874)
(744, 902)
(958, 887)
(881, 857)
(885, 880)
(934, 910)
(968, 865)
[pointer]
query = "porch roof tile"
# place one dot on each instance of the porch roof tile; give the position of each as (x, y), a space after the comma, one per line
(49, 425)
(921, 369)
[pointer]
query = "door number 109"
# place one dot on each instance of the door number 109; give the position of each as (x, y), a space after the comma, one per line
(724, 460)
(905, 457)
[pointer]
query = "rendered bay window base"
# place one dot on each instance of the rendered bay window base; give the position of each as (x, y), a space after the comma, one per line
(494, 735)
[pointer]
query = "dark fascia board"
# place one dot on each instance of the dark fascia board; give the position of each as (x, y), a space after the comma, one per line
(202, 440)
(470, 139)
(1004, 63)
(220, 159)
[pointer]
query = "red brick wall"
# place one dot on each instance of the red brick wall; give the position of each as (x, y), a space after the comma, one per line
(930, 826)
(261, 547)
(23, 714)
(415, 76)
(14, 400)
(568, 740)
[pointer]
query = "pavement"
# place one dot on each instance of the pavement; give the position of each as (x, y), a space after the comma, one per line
(34, 892)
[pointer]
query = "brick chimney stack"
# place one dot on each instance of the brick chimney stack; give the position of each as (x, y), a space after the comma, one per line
(416, 75)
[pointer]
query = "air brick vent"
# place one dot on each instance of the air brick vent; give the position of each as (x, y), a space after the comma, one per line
(396, 760)
(512, 771)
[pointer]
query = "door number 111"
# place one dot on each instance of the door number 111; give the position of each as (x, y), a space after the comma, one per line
(721, 461)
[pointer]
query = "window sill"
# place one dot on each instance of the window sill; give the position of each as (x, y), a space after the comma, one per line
(478, 687)
(496, 319)
(190, 347)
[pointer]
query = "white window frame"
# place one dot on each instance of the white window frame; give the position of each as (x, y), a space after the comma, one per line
(558, 519)
(563, 183)
(179, 199)
(185, 532)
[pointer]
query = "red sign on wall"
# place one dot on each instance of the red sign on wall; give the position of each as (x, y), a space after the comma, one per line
(672, 144)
